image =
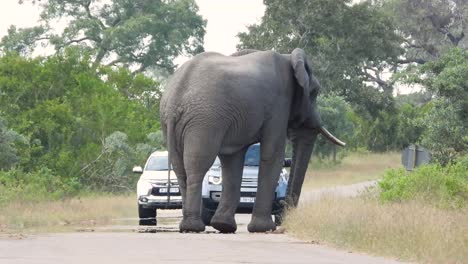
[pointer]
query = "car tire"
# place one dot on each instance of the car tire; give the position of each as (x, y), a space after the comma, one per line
(147, 216)
(206, 215)
(279, 217)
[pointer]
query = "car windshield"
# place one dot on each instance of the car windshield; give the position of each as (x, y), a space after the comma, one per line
(217, 162)
(252, 157)
(157, 163)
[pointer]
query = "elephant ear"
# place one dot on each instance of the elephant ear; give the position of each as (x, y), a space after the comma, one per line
(301, 107)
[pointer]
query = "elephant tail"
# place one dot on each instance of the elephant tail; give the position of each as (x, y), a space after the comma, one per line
(170, 144)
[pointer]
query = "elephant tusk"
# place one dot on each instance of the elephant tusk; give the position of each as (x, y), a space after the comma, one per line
(330, 137)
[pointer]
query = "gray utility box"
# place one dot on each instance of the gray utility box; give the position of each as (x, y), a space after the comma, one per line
(414, 156)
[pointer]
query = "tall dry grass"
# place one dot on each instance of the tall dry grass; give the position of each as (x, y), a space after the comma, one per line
(66, 215)
(410, 231)
(357, 167)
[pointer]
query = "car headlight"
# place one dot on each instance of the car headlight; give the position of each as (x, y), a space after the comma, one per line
(215, 179)
(143, 187)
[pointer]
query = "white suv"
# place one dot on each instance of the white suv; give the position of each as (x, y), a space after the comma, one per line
(153, 190)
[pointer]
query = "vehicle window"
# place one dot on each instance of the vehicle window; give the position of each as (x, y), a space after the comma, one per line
(157, 163)
(217, 162)
(252, 157)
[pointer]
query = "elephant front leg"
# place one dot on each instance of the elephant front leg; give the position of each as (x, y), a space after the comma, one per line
(232, 167)
(272, 157)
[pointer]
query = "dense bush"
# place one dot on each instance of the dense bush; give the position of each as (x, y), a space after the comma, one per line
(17, 185)
(441, 186)
(62, 120)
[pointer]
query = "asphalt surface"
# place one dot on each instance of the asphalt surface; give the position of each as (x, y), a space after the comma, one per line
(124, 242)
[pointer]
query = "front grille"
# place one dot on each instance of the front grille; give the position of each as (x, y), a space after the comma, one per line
(248, 194)
(249, 182)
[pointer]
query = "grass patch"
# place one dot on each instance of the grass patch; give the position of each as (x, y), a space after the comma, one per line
(57, 216)
(418, 216)
(410, 231)
(357, 167)
(445, 187)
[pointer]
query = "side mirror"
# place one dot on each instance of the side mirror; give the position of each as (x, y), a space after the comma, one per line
(287, 163)
(137, 170)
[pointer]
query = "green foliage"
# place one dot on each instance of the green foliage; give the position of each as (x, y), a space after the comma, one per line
(441, 186)
(71, 117)
(349, 44)
(446, 134)
(8, 150)
(17, 185)
(430, 27)
(446, 77)
(446, 118)
(110, 170)
(410, 124)
(140, 34)
(335, 113)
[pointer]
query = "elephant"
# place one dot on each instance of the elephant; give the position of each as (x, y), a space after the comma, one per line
(217, 105)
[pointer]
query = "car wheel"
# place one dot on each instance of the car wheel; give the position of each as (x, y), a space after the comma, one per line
(206, 215)
(147, 216)
(279, 217)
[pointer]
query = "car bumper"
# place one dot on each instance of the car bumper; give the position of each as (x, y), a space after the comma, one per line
(244, 208)
(160, 202)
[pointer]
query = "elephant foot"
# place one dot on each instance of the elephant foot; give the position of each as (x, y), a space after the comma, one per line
(261, 225)
(224, 224)
(191, 225)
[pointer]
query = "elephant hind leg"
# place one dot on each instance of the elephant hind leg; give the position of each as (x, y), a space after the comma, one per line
(198, 155)
(232, 167)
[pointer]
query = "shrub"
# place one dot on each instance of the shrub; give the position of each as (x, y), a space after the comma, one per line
(446, 133)
(17, 185)
(441, 186)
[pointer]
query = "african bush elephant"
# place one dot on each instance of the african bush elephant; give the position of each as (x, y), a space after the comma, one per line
(219, 105)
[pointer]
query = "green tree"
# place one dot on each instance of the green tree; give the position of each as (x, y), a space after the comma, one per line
(110, 169)
(349, 44)
(8, 149)
(138, 34)
(67, 112)
(411, 125)
(335, 113)
(446, 134)
(447, 121)
(429, 27)
(434, 33)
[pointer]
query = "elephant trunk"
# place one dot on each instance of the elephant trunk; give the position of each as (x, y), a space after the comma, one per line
(303, 141)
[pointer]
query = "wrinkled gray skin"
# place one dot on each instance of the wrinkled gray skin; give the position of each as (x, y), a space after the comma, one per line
(219, 105)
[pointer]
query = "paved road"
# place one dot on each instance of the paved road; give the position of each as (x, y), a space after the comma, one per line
(127, 243)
